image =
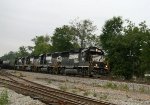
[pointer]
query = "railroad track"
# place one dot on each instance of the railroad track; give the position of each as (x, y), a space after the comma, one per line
(46, 94)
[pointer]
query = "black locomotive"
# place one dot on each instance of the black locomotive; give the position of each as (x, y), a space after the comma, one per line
(1, 63)
(88, 61)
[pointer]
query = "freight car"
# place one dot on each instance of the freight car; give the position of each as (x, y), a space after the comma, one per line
(86, 62)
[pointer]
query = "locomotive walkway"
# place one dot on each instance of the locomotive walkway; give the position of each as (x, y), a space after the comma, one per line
(48, 95)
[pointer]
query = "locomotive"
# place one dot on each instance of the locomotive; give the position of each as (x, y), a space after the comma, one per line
(84, 61)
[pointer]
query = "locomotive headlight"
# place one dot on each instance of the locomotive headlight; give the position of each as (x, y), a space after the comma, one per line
(106, 66)
(96, 50)
(96, 65)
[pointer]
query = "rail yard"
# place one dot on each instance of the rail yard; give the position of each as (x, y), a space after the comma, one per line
(45, 94)
(57, 90)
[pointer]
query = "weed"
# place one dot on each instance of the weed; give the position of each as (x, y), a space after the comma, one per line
(94, 94)
(111, 85)
(86, 93)
(63, 87)
(124, 87)
(49, 81)
(74, 91)
(4, 98)
(104, 97)
(142, 89)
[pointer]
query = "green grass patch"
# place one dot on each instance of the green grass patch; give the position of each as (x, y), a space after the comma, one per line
(94, 94)
(103, 97)
(63, 87)
(124, 87)
(86, 93)
(4, 97)
(110, 85)
(49, 81)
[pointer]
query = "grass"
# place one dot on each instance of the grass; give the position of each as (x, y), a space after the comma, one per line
(94, 94)
(142, 89)
(63, 87)
(18, 74)
(104, 97)
(49, 81)
(74, 91)
(124, 87)
(4, 97)
(111, 85)
(86, 93)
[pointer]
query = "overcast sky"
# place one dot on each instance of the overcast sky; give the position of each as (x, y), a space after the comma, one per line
(22, 20)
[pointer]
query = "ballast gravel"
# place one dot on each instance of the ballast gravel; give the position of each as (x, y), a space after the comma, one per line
(19, 99)
(120, 93)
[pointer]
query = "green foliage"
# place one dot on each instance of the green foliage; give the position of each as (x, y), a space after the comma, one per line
(86, 93)
(124, 87)
(126, 47)
(111, 29)
(94, 94)
(23, 51)
(63, 39)
(49, 81)
(4, 98)
(10, 56)
(103, 97)
(110, 85)
(42, 45)
(63, 87)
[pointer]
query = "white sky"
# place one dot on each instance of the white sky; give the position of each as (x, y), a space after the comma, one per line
(22, 20)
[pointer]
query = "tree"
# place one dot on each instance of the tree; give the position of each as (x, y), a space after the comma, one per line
(22, 52)
(145, 56)
(63, 39)
(127, 47)
(112, 28)
(42, 45)
(84, 32)
(10, 56)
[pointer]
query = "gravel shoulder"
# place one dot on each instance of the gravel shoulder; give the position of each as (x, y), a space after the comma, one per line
(19, 99)
(119, 93)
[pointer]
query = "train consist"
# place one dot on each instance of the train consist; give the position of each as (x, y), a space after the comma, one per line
(86, 62)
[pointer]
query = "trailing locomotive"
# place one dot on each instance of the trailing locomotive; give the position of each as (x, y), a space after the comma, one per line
(88, 61)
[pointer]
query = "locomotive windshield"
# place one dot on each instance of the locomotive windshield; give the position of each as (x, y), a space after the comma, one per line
(96, 54)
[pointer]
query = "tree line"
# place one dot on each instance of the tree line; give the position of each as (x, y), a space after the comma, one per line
(126, 45)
